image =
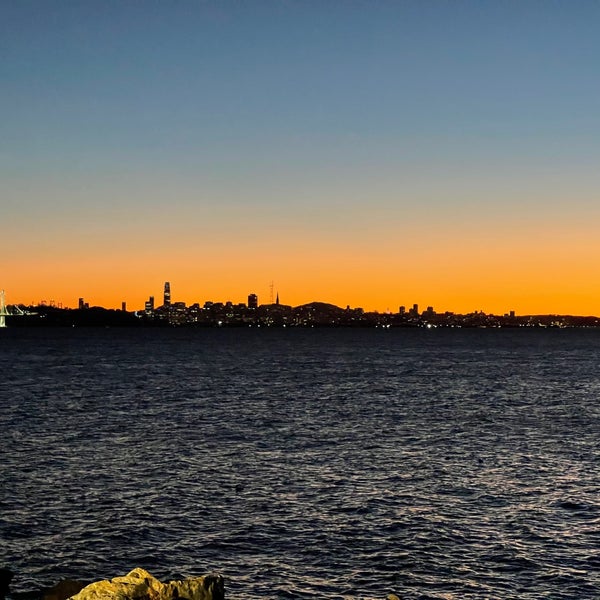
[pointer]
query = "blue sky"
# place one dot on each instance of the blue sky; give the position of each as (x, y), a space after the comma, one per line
(187, 81)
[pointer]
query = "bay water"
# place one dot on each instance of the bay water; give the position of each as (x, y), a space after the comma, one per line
(305, 463)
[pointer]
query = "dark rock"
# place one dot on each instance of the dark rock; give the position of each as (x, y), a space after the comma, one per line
(64, 589)
(6, 576)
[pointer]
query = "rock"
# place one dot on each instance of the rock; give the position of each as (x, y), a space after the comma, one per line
(6, 576)
(64, 589)
(140, 585)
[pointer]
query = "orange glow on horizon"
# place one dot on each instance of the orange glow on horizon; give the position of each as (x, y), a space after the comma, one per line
(495, 264)
(461, 278)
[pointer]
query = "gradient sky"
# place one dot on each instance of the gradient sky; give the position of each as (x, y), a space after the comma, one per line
(369, 153)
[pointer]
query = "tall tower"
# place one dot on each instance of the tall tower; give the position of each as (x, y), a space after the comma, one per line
(167, 294)
(252, 301)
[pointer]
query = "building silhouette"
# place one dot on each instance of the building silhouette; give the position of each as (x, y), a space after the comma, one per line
(149, 306)
(252, 301)
(167, 294)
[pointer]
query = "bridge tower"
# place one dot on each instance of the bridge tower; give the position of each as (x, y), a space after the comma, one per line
(3, 311)
(15, 311)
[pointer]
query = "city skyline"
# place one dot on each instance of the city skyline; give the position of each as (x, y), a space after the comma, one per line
(375, 154)
(137, 299)
(273, 314)
(252, 301)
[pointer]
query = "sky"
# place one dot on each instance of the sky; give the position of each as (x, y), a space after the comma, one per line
(364, 153)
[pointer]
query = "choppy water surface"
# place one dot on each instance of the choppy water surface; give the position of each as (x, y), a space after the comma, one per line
(305, 463)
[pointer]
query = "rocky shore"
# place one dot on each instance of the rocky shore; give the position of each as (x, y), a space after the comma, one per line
(136, 585)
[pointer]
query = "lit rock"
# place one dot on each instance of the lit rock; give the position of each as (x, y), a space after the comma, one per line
(140, 585)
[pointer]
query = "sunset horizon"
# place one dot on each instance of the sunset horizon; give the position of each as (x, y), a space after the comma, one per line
(292, 296)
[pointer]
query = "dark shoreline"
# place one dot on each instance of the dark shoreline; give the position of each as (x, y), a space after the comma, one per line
(327, 318)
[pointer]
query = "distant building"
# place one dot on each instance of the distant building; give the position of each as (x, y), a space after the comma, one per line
(149, 306)
(177, 313)
(167, 294)
(81, 304)
(252, 301)
(402, 310)
(124, 306)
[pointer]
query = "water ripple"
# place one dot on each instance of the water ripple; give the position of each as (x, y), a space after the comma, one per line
(317, 464)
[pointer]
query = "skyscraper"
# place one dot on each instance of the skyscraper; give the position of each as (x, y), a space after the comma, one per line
(167, 294)
(252, 301)
(149, 306)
